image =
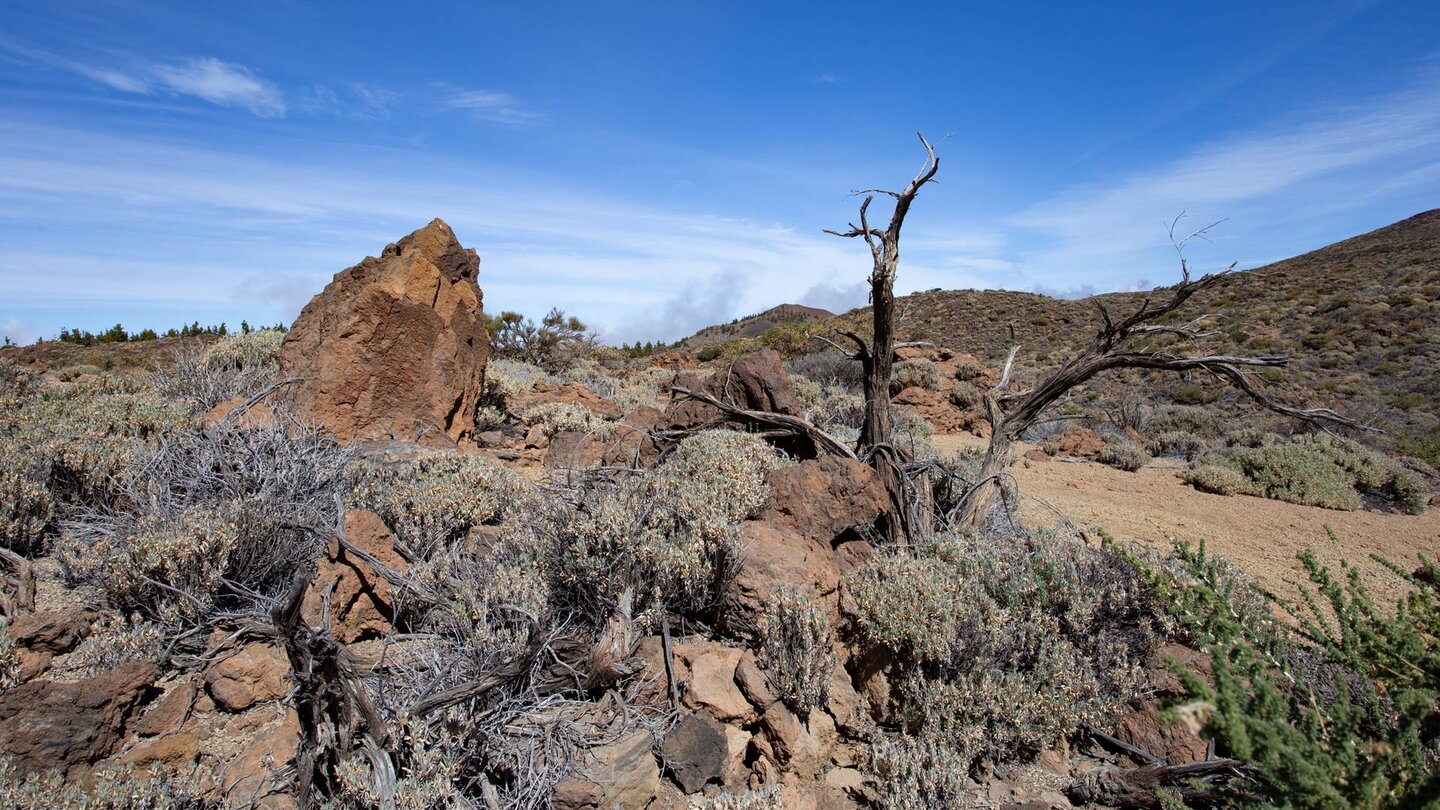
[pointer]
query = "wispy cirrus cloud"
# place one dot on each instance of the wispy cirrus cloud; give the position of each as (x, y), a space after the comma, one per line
(225, 84)
(1331, 160)
(488, 105)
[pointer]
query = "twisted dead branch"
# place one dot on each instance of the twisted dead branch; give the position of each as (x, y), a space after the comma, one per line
(1117, 345)
(337, 718)
(17, 592)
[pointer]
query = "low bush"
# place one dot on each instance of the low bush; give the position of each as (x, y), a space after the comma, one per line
(920, 774)
(1177, 444)
(670, 537)
(233, 366)
(1312, 470)
(965, 395)
(830, 369)
(1126, 457)
(1006, 645)
(917, 373)
(559, 417)
(431, 501)
(73, 443)
(795, 650)
(157, 787)
(210, 515)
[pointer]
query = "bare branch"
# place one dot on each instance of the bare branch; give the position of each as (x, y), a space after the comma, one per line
(790, 424)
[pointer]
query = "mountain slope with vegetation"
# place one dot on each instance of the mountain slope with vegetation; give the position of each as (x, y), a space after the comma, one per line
(1359, 319)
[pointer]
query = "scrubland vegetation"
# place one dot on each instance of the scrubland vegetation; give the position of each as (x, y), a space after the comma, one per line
(636, 580)
(516, 617)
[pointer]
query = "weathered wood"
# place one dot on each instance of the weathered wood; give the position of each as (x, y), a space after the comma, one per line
(1195, 784)
(23, 600)
(878, 357)
(337, 718)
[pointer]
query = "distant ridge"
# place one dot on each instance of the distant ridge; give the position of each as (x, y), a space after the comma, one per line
(754, 325)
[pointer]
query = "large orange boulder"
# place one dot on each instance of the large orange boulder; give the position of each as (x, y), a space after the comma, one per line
(394, 346)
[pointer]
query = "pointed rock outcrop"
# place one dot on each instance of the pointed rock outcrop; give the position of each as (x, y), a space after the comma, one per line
(394, 346)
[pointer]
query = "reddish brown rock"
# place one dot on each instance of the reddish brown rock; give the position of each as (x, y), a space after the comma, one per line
(171, 749)
(622, 774)
(712, 687)
(571, 393)
(68, 726)
(256, 416)
(776, 557)
(824, 498)
(167, 713)
(1145, 729)
(1036, 454)
(394, 346)
(54, 632)
(361, 602)
(1077, 442)
(632, 442)
(258, 773)
(675, 360)
(936, 410)
(254, 674)
(757, 381)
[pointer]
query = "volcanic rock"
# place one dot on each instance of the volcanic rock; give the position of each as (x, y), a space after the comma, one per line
(47, 725)
(394, 346)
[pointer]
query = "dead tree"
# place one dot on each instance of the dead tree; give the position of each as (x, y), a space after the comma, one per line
(877, 356)
(1118, 344)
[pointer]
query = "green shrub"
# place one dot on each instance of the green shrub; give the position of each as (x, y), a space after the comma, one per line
(1333, 714)
(917, 373)
(1004, 645)
(1219, 479)
(1126, 457)
(1426, 448)
(795, 650)
(1195, 394)
(1313, 470)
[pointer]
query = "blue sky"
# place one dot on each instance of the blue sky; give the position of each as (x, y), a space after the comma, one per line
(654, 167)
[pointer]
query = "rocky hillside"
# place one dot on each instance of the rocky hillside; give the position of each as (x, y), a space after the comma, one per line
(1360, 318)
(754, 325)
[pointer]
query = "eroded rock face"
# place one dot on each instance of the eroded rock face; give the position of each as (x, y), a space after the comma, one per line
(622, 774)
(757, 381)
(69, 726)
(394, 346)
(361, 601)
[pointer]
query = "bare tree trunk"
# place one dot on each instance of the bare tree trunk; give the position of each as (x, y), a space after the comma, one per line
(877, 428)
(877, 357)
(981, 498)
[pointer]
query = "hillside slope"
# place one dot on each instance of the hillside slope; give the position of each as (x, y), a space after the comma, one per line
(1360, 318)
(754, 325)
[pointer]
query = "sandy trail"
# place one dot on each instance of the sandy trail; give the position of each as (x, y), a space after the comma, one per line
(1260, 535)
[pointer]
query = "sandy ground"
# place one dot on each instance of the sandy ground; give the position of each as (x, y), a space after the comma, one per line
(1261, 535)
